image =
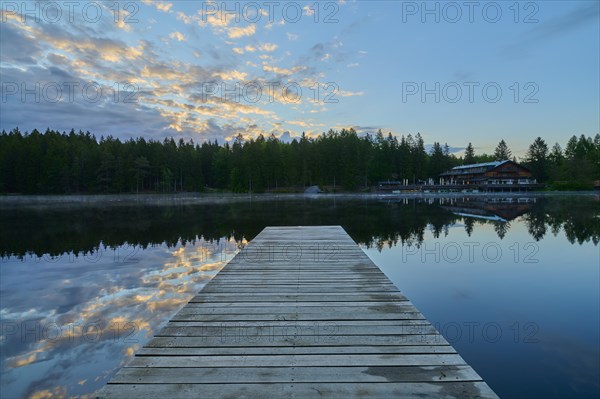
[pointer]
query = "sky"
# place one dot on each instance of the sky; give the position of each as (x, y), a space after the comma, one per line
(456, 72)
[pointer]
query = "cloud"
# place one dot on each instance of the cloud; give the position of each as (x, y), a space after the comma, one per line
(167, 72)
(122, 21)
(165, 7)
(89, 46)
(168, 88)
(16, 47)
(150, 115)
(310, 124)
(177, 36)
(236, 32)
(95, 111)
(292, 37)
(308, 10)
(299, 123)
(187, 19)
(463, 75)
(282, 71)
(345, 93)
(159, 5)
(216, 17)
(569, 21)
(268, 47)
(231, 75)
(332, 51)
(557, 26)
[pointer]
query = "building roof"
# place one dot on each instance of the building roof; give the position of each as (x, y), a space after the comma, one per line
(491, 165)
(474, 168)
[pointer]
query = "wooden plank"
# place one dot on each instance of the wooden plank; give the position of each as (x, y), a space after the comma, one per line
(300, 276)
(245, 310)
(438, 359)
(235, 338)
(240, 375)
(300, 312)
(309, 330)
(297, 316)
(294, 350)
(295, 285)
(258, 305)
(384, 390)
(301, 324)
(299, 289)
(307, 297)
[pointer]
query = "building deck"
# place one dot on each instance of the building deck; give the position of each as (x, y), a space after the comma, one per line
(300, 312)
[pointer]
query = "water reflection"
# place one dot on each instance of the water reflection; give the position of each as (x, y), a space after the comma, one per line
(370, 221)
(82, 288)
(81, 317)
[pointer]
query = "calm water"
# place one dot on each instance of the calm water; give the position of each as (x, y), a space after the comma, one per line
(513, 284)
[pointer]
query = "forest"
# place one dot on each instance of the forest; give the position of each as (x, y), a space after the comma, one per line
(77, 162)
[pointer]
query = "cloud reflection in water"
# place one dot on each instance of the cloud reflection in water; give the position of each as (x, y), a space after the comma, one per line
(69, 323)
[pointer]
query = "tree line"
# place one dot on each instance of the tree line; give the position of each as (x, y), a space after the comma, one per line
(55, 163)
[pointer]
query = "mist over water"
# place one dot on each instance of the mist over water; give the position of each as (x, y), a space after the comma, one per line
(512, 283)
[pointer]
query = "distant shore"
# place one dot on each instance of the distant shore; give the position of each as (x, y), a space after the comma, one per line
(208, 198)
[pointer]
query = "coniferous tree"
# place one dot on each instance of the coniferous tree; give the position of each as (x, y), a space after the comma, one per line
(502, 151)
(55, 162)
(469, 155)
(536, 158)
(556, 160)
(437, 162)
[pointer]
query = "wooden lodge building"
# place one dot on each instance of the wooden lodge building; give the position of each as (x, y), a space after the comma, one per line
(489, 176)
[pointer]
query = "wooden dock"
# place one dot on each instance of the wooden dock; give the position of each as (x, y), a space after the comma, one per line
(300, 312)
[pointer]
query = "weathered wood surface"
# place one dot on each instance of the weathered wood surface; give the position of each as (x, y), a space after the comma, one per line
(300, 312)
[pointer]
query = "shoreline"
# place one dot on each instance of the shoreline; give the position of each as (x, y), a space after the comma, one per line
(216, 198)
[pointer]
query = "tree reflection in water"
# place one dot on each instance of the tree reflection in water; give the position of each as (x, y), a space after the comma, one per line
(126, 269)
(371, 222)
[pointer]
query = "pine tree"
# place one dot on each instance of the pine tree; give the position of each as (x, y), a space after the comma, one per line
(469, 155)
(502, 151)
(536, 158)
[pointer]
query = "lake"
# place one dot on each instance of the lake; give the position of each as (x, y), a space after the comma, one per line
(513, 283)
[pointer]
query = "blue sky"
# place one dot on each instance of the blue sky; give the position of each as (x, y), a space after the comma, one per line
(184, 62)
